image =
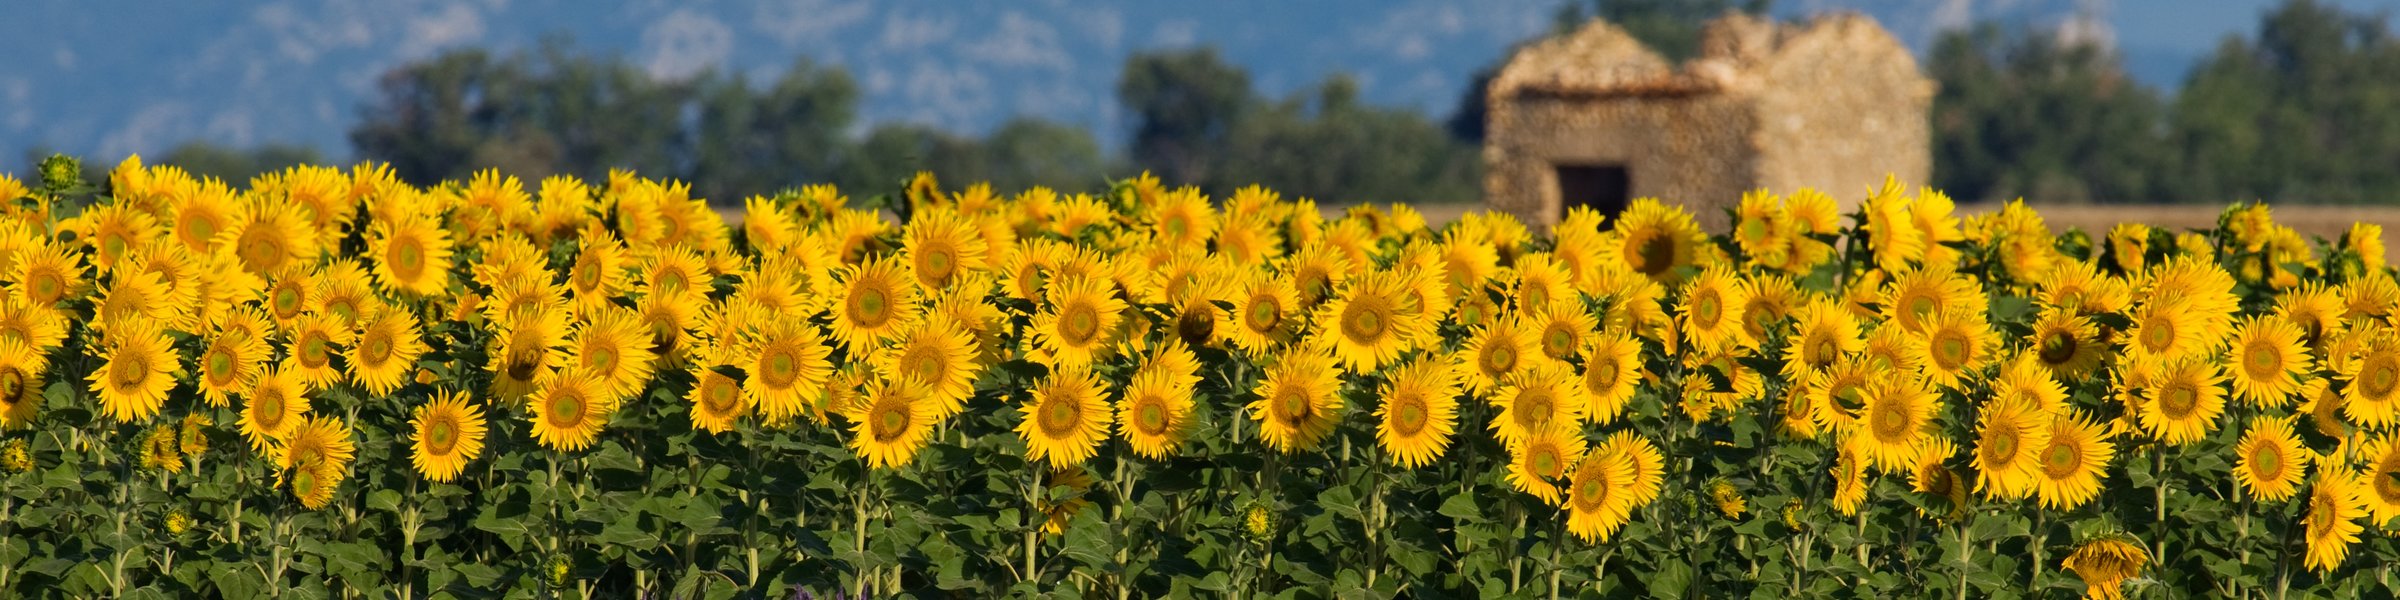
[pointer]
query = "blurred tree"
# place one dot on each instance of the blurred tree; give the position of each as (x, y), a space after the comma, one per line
(2025, 114)
(2309, 112)
(1184, 104)
(1326, 145)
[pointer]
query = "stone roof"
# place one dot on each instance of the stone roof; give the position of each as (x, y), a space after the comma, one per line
(1737, 54)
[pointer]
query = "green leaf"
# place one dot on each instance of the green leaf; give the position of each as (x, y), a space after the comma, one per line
(1671, 580)
(1465, 507)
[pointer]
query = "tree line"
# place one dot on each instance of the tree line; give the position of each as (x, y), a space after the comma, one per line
(2304, 109)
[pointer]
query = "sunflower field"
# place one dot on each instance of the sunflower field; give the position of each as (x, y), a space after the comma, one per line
(328, 383)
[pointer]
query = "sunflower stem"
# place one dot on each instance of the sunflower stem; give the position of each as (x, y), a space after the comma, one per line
(1966, 552)
(2158, 505)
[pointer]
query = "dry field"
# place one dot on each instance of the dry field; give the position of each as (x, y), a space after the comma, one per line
(2327, 221)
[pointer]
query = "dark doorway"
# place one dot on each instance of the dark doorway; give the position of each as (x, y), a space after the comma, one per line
(1604, 188)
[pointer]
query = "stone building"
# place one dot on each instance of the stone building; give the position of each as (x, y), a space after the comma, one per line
(1595, 118)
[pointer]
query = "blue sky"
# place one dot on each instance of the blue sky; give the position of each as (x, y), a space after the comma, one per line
(109, 77)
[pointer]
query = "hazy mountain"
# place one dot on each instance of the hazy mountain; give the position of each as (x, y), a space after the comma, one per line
(109, 77)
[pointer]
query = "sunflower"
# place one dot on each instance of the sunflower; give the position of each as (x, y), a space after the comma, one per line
(1181, 218)
(20, 384)
(313, 342)
(1598, 498)
(2373, 395)
(1296, 406)
(139, 367)
(1265, 313)
(1081, 316)
(2012, 430)
(41, 326)
(785, 359)
(1838, 395)
(599, 271)
(936, 351)
(891, 423)
(229, 364)
(2200, 288)
(614, 349)
(449, 434)
(1943, 490)
(1543, 457)
(1958, 344)
(939, 245)
(1711, 311)
(1897, 418)
(270, 236)
(411, 255)
(1419, 413)
(1611, 371)
(526, 351)
(2067, 344)
(2270, 461)
(1540, 281)
(2105, 563)
(1534, 399)
(2335, 504)
(1648, 470)
(1066, 420)
(343, 290)
(1370, 322)
(2070, 465)
(569, 411)
(1494, 354)
(386, 352)
(2316, 309)
(1826, 334)
(717, 400)
(2269, 352)
(2164, 333)
(1654, 239)
(315, 458)
(1896, 241)
(1468, 263)
(2080, 288)
(1562, 330)
(1850, 478)
(1155, 413)
(1914, 298)
(46, 275)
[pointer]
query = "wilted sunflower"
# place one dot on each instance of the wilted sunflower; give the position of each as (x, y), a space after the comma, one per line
(1370, 322)
(1419, 413)
(449, 434)
(1599, 496)
(386, 352)
(1542, 458)
(2071, 464)
(614, 349)
(1711, 311)
(937, 351)
(716, 400)
(1154, 413)
(569, 411)
(2105, 563)
(411, 255)
(140, 366)
(1536, 398)
(1297, 405)
(2335, 504)
(1076, 326)
(2270, 461)
(1066, 420)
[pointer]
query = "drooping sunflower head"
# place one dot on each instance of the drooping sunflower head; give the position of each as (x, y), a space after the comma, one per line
(2105, 562)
